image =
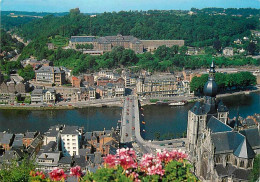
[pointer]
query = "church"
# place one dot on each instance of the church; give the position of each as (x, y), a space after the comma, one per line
(218, 151)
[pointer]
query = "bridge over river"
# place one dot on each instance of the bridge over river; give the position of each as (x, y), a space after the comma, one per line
(131, 130)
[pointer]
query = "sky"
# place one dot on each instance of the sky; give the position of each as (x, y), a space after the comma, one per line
(99, 6)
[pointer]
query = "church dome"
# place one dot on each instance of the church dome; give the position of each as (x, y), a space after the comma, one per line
(210, 88)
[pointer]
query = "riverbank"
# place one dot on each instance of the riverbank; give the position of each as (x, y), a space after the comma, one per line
(191, 99)
(115, 102)
(238, 93)
(8, 107)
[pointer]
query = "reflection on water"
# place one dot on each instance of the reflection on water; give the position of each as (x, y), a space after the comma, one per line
(173, 120)
(163, 119)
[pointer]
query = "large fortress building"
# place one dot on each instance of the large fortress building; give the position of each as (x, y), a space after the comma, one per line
(218, 151)
(105, 44)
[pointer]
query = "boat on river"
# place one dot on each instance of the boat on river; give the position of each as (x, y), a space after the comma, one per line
(180, 103)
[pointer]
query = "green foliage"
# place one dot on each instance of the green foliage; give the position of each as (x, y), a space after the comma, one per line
(255, 173)
(107, 174)
(217, 45)
(224, 81)
(59, 41)
(27, 73)
(15, 172)
(84, 46)
(8, 44)
(178, 171)
(154, 100)
(9, 22)
(251, 48)
(197, 83)
(8, 66)
(199, 30)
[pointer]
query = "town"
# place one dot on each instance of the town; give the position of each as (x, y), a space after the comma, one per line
(135, 61)
(57, 86)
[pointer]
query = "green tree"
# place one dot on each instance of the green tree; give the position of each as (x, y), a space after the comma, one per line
(255, 173)
(17, 171)
(27, 73)
(183, 50)
(162, 52)
(251, 48)
(217, 45)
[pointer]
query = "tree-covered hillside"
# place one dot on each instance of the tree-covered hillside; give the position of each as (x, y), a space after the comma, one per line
(8, 43)
(197, 30)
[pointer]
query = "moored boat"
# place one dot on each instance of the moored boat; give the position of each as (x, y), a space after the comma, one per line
(180, 103)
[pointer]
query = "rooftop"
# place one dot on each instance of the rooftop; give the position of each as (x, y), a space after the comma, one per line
(70, 130)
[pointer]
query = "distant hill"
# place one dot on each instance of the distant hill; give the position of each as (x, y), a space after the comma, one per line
(18, 13)
(229, 11)
(199, 29)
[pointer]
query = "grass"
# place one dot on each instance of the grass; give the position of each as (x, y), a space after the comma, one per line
(59, 41)
(154, 100)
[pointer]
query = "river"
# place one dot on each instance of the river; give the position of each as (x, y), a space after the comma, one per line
(166, 120)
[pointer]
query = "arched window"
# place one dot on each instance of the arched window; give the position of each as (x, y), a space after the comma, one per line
(250, 164)
(235, 162)
(242, 163)
(217, 159)
(228, 158)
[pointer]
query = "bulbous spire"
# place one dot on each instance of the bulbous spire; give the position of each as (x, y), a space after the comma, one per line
(211, 87)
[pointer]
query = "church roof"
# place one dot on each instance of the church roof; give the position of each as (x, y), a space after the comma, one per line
(222, 107)
(244, 150)
(236, 143)
(253, 137)
(216, 125)
(226, 141)
(199, 108)
(230, 170)
(210, 88)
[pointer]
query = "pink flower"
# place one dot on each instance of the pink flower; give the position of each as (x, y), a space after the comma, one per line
(110, 160)
(124, 157)
(57, 174)
(76, 171)
(151, 165)
(167, 156)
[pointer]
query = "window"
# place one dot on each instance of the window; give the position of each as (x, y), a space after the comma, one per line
(250, 163)
(242, 163)
(68, 139)
(74, 147)
(217, 159)
(229, 158)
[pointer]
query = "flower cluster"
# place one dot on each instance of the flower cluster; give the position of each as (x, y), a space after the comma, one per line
(151, 165)
(167, 156)
(124, 157)
(124, 165)
(57, 174)
(76, 171)
(37, 174)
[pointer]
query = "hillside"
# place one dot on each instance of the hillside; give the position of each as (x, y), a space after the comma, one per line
(197, 30)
